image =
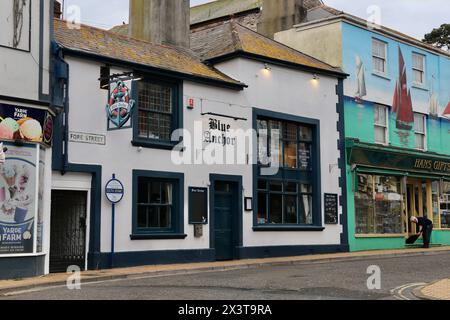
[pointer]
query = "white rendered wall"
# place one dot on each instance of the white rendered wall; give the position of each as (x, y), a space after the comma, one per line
(284, 91)
(19, 70)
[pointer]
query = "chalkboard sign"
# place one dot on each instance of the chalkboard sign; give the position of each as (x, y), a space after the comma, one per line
(331, 208)
(198, 205)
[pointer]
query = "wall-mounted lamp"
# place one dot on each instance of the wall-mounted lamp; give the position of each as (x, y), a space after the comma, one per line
(315, 77)
(267, 67)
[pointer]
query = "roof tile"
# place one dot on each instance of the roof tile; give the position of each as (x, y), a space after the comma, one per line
(108, 44)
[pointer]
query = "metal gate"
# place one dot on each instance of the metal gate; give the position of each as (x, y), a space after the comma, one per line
(68, 230)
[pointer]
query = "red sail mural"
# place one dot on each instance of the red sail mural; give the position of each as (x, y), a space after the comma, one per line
(447, 111)
(402, 105)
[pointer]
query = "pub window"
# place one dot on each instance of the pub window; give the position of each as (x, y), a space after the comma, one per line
(381, 124)
(420, 131)
(378, 205)
(157, 115)
(418, 67)
(293, 148)
(379, 56)
(156, 203)
(286, 198)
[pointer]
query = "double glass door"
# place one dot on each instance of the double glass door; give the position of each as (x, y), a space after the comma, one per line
(421, 202)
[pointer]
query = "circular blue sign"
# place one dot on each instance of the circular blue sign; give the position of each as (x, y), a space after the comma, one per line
(114, 191)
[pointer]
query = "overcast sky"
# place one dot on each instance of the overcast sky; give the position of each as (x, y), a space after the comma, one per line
(413, 17)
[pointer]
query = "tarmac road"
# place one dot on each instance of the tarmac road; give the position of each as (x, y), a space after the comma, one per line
(335, 280)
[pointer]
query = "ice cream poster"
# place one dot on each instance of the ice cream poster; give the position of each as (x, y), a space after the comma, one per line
(25, 124)
(17, 200)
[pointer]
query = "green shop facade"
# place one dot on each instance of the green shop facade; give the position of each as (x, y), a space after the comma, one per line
(388, 185)
(397, 130)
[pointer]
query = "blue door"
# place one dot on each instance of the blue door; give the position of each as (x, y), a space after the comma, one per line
(225, 211)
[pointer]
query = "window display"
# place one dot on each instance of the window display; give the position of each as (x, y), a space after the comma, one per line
(378, 205)
(445, 205)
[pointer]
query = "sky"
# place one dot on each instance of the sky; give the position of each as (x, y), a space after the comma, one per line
(413, 17)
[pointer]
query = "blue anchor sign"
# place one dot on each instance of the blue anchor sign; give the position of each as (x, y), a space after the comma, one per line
(120, 106)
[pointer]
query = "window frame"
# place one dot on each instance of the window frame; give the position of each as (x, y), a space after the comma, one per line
(423, 134)
(177, 113)
(177, 230)
(424, 79)
(385, 58)
(291, 175)
(386, 126)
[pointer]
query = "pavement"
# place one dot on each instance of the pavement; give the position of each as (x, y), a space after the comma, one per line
(439, 290)
(435, 290)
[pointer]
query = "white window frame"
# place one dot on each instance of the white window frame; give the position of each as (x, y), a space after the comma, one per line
(424, 134)
(423, 68)
(385, 126)
(385, 58)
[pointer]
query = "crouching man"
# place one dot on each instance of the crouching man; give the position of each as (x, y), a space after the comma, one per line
(426, 231)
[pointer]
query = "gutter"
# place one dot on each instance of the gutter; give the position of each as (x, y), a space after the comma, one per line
(278, 62)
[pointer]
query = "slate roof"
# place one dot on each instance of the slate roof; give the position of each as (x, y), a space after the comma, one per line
(222, 39)
(102, 43)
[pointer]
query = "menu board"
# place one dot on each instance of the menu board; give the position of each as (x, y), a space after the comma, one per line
(198, 205)
(331, 208)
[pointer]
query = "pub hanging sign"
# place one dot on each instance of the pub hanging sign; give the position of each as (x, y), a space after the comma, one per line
(120, 105)
(25, 124)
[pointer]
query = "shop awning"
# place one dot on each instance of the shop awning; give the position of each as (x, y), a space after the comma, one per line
(396, 160)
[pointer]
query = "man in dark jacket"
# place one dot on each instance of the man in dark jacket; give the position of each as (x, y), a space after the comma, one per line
(427, 229)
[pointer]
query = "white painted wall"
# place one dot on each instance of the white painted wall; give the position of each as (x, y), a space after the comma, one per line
(19, 70)
(283, 91)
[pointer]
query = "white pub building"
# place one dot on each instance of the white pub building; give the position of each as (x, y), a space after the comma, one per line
(181, 145)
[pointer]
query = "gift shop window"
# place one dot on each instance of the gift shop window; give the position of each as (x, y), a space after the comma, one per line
(420, 133)
(290, 196)
(418, 69)
(157, 114)
(379, 56)
(381, 124)
(444, 216)
(378, 205)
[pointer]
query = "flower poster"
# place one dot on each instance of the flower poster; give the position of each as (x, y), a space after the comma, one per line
(18, 200)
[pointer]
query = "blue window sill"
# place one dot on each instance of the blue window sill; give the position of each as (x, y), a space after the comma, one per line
(382, 76)
(263, 228)
(161, 236)
(154, 144)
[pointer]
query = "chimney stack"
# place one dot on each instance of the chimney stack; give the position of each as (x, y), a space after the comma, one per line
(279, 15)
(161, 21)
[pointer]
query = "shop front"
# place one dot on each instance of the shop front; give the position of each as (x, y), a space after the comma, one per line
(26, 134)
(389, 186)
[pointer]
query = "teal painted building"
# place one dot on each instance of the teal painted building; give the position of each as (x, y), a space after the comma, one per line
(397, 126)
